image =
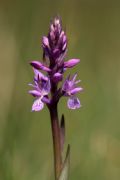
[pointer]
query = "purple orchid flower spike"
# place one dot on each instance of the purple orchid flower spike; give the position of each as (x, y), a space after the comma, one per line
(55, 44)
(47, 88)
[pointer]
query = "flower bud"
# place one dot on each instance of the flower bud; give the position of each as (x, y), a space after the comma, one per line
(39, 65)
(57, 77)
(45, 41)
(71, 63)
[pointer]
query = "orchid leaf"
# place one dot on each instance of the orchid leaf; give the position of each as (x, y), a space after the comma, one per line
(62, 132)
(65, 170)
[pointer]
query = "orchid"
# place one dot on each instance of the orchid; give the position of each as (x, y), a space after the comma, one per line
(54, 64)
(47, 89)
(41, 89)
(69, 88)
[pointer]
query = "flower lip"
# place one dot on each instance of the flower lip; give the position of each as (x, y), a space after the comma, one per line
(37, 105)
(73, 103)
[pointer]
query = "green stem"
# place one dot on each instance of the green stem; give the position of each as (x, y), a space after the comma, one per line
(56, 141)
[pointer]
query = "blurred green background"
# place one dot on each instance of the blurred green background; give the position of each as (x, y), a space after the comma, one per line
(93, 30)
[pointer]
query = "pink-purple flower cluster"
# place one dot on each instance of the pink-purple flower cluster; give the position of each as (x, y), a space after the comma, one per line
(45, 87)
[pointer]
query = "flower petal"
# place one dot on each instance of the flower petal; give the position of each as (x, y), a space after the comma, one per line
(38, 75)
(65, 86)
(74, 78)
(46, 86)
(32, 85)
(76, 90)
(37, 105)
(73, 103)
(35, 93)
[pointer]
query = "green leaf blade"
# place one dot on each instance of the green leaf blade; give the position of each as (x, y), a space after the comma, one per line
(65, 170)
